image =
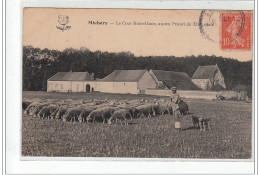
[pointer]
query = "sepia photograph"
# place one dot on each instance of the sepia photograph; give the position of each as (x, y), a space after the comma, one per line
(135, 83)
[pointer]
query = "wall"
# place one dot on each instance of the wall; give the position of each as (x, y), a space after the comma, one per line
(125, 87)
(219, 79)
(58, 86)
(204, 84)
(184, 94)
(114, 87)
(77, 86)
(147, 81)
(102, 86)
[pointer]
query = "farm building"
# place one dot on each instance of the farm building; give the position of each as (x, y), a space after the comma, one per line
(168, 79)
(70, 82)
(119, 81)
(126, 81)
(122, 81)
(208, 77)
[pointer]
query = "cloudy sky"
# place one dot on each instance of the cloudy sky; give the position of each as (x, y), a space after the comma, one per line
(118, 32)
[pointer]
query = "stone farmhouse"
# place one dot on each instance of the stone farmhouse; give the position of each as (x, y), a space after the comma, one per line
(208, 77)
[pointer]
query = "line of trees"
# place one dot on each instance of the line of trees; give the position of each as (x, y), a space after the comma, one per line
(41, 64)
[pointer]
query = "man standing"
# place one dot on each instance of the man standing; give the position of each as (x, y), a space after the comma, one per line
(175, 99)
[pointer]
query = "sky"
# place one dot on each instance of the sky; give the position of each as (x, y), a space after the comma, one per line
(117, 31)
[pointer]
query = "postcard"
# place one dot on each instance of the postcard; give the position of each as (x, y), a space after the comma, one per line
(137, 83)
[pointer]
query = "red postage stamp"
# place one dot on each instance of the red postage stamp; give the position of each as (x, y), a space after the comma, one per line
(236, 30)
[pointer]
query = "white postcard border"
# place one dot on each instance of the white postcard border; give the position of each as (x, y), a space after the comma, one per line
(14, 164)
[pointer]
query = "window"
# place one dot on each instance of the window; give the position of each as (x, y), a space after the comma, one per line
(61, 86)
(77, 87)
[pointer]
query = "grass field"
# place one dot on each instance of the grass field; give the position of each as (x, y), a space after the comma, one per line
(230, 137)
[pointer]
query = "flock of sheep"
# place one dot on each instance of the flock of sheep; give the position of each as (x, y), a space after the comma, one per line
(106, 111)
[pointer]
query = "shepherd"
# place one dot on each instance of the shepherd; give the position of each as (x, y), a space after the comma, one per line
(175, 99)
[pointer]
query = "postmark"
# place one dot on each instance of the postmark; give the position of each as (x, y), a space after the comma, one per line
(236, 30)
(208, 25)
(63, 20)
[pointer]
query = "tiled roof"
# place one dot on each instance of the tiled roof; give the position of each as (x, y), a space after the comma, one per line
(70, 76)
(125, 76)
(205, 72)
(180, 80)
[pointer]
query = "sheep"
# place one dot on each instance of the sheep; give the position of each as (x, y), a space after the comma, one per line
(53, 114)
(46, 111)
(25, 104)
(131, 109)
(86, 101)
(141, 101)
(97, 102)
(143, 110)
(103, 113)
(119, 114)
(61, 112)
(72, 114)
(85, 112)
(168, 109)
(164, 107)
(122, 102)
(159, 109)
(90, 104)
(34, 111)
(134, 102)
(32, 105)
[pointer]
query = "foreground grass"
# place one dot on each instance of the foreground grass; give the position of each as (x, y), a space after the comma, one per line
(230, 137)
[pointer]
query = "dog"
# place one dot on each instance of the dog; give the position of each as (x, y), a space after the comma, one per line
(202, 123)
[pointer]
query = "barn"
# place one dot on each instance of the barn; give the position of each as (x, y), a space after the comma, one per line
(126, 81)
(168, 79)
(209, 78)
(119, 81)
(70, 82)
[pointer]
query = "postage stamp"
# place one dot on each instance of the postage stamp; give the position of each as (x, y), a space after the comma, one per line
(236, 30)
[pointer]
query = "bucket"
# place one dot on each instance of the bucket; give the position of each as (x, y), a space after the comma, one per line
(177, 125)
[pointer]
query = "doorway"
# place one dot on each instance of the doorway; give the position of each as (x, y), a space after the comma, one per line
(87, 88)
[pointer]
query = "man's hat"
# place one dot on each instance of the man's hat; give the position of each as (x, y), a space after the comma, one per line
(174, 88)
